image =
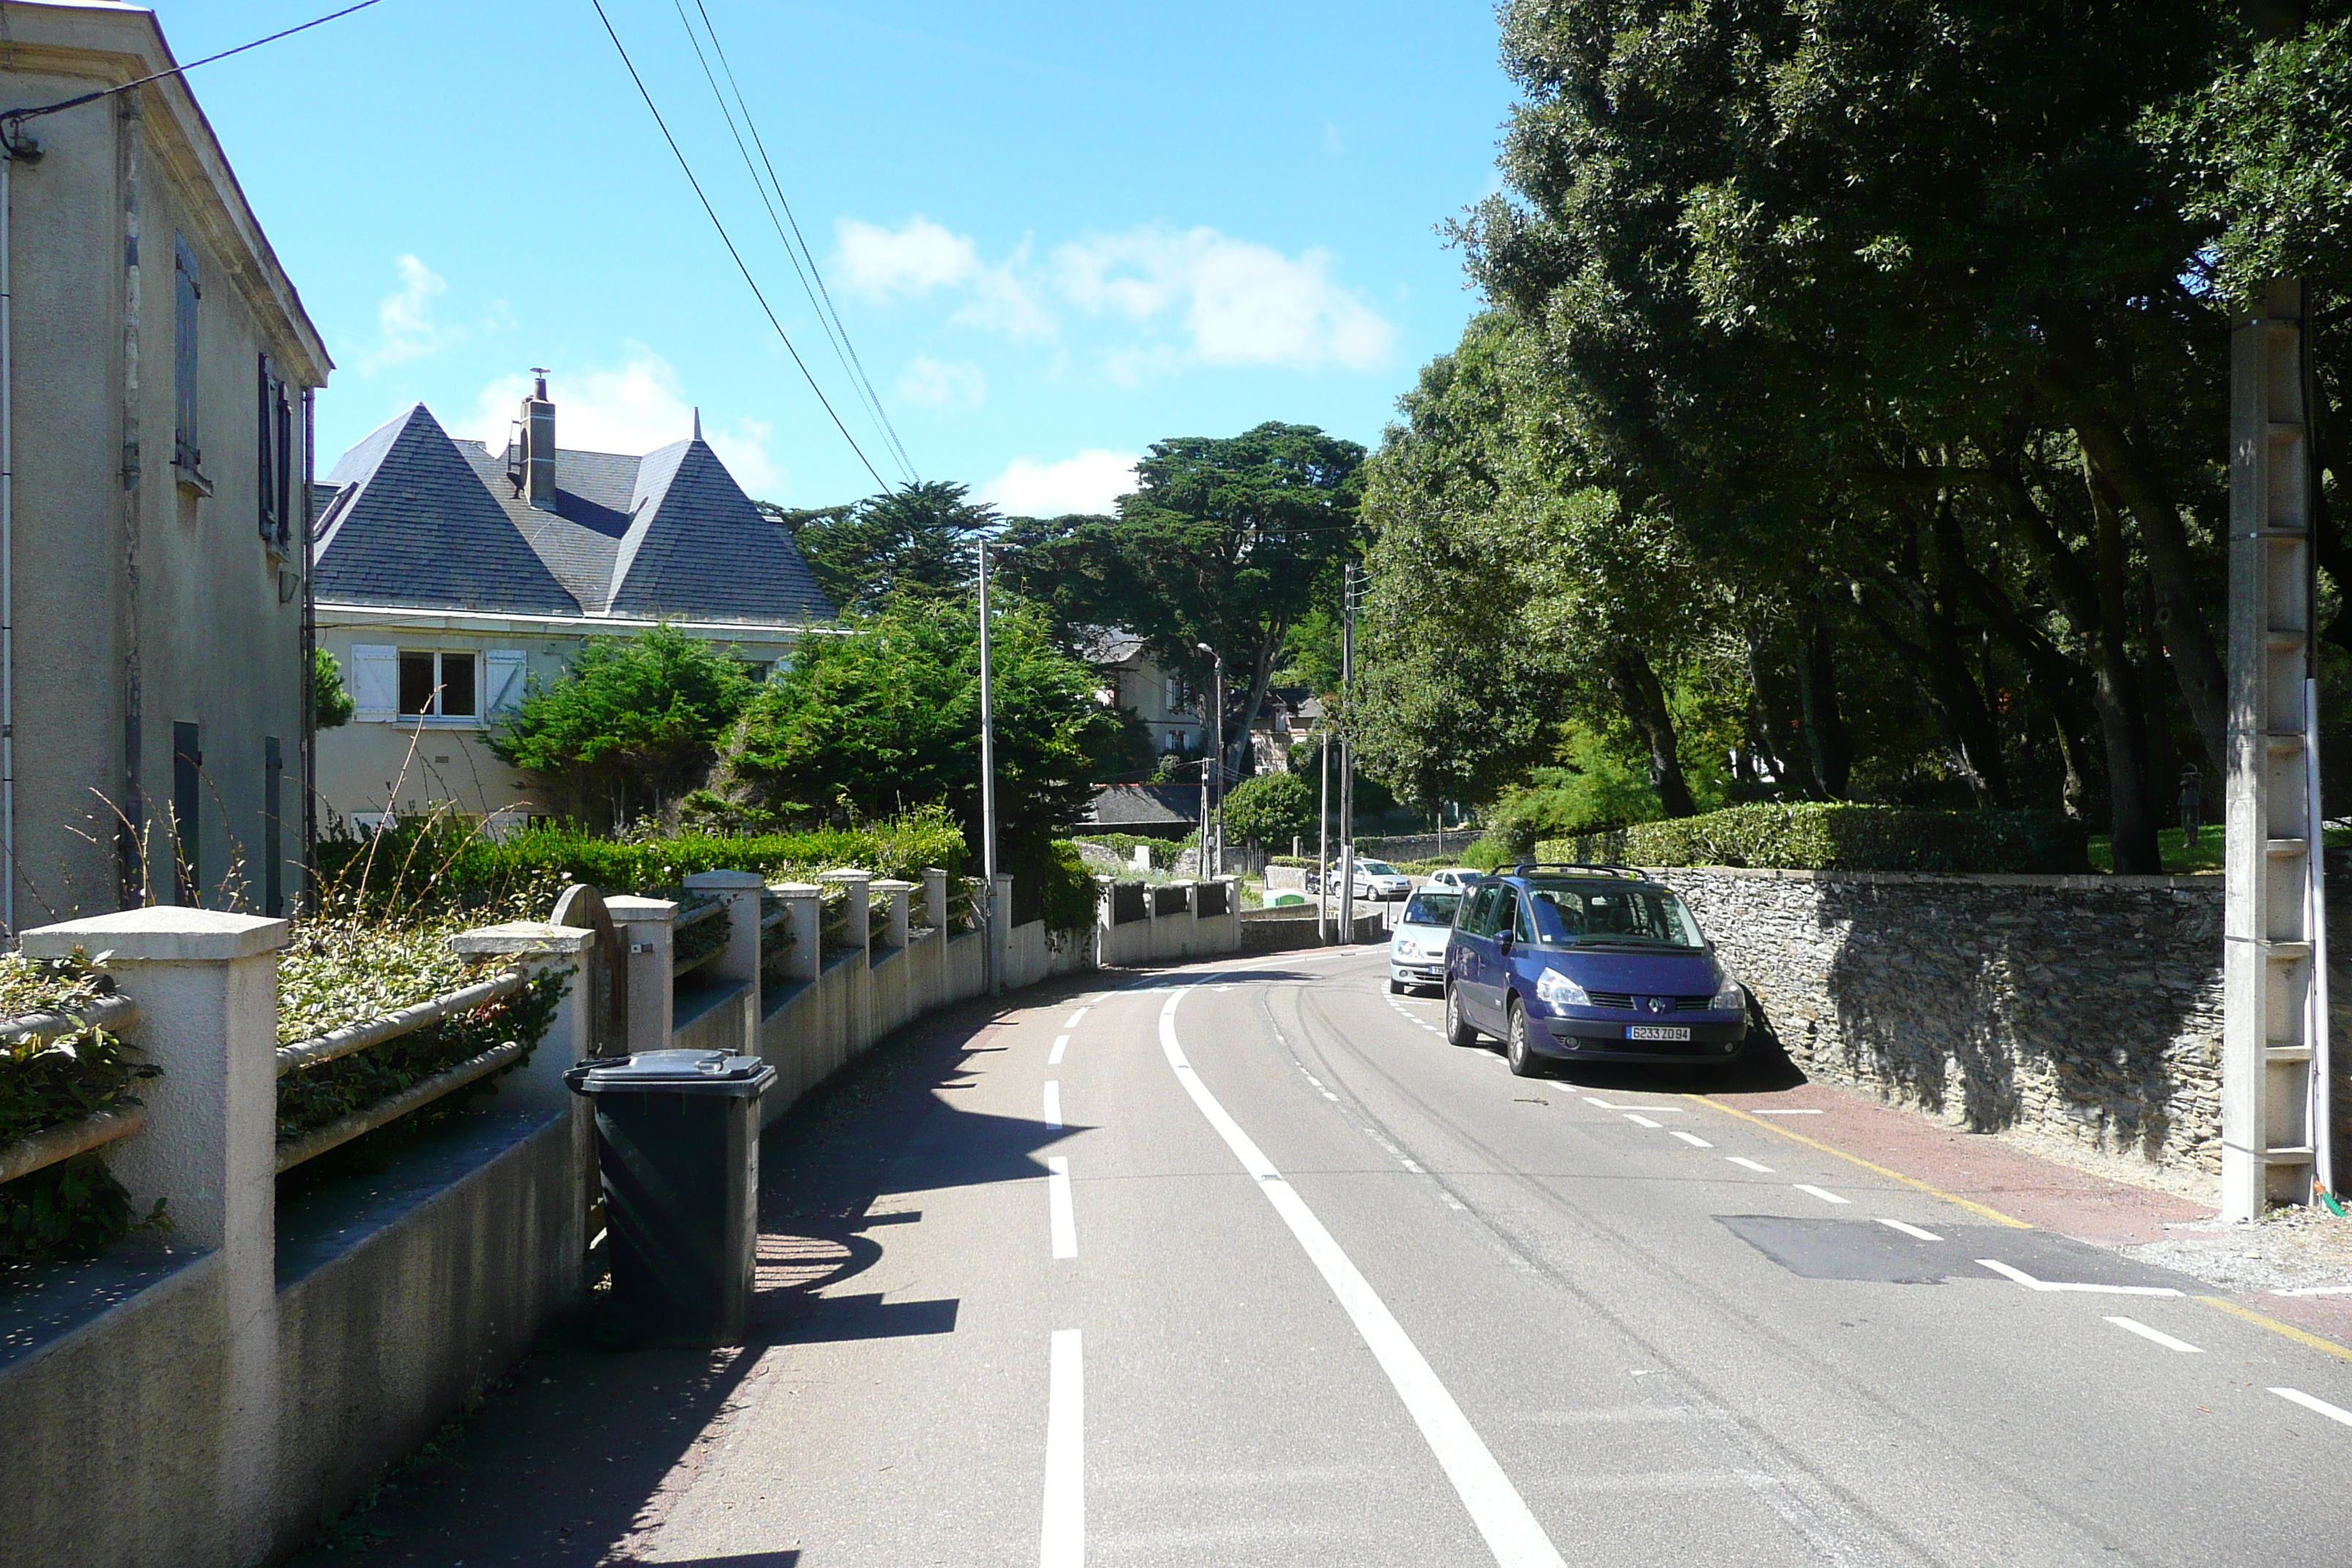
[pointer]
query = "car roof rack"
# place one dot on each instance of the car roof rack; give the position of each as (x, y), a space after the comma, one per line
(1525, 867)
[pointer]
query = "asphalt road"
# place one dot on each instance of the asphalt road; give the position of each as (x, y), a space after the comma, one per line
(1244, 1264)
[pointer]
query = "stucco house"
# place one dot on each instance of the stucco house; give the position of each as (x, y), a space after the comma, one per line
(160, 367)
(1170, 709)
(449, 574)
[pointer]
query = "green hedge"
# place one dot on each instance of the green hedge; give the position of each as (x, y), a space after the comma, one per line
(1163, 850)
(1830, 837)
(426, 869)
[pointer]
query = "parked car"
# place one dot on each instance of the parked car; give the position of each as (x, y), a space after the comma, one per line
(1591, 962)
(1417, 946)
(1375, 879)
(1460, 878)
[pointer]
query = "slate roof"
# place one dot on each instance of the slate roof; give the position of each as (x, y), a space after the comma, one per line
(1136, 805)
(415, 518)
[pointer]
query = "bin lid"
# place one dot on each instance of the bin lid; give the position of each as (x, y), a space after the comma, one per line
(673, 1072)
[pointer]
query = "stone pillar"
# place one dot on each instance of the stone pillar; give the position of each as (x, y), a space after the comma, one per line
(803, 905)
(537, 949)
(206, 987)
(648, 933)
(895, 894)
(739, 961)
(1106, 927)
(855, 884)
(935, 898)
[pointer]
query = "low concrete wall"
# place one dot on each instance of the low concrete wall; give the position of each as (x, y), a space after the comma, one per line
(1280, 931)
(811, 1029)
(1168, 936)
(2084, 1006)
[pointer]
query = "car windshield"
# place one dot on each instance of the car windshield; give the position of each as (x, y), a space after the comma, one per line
(1378, 868)
(1610, 914)
(1431, 909)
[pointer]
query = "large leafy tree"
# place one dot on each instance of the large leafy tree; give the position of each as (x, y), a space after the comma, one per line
(1228, 541)
(629, 729)
(883, 716)
(919, 540)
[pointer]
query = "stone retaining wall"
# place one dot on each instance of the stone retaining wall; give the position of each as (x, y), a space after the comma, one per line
(2087, 1007)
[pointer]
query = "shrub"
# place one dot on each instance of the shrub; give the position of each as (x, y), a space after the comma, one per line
(1270, 809)
(1163, 850)
(1826, 836)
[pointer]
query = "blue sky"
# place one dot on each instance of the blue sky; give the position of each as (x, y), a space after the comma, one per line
(1055, 232)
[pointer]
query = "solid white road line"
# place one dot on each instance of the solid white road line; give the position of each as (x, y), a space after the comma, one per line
(2134, 1326)
(2321, 1406)
(1054, 1105)
(1641, 1122)
(1063, 1543)
(1824, 1194)
(1496, 1507)
(1910, 1230)
(1746, 1163)
(1072, 1021)
(1057, 1206)
(1692, 1138)
(2031, 1283)
(1061, 1044)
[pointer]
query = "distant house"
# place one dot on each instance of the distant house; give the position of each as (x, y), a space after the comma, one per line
(449, 574)
(1291, 713)
(1171, 711)
(162, 368)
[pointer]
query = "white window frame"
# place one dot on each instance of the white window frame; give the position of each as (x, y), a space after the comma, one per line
(438, 720)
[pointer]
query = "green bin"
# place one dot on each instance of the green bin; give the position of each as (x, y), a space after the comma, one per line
(678, 1144)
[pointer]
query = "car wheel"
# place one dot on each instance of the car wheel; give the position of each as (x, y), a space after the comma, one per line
(1458, 1033)
(1396, 986)
(1524, 1061)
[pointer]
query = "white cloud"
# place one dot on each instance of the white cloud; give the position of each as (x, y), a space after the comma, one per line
(633, 408)
(406, 318)
(880, 262)
(1242, 303)
(1090, 481)
(932, 384)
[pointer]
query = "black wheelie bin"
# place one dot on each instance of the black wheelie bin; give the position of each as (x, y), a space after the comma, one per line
(677, 1142)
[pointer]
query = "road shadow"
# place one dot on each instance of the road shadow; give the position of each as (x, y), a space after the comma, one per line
(1764, 1067)
(577, 1456)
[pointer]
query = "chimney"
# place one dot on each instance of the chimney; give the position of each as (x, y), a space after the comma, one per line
(539, 443)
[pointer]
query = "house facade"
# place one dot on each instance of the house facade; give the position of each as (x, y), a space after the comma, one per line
(449, 576)
(1171, 711)
(161, 368)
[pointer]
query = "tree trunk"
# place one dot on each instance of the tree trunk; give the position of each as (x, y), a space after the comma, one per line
(1827, 744)
(2180, 613)
(2083, 594)
(1643, 699)
(1770, 719)
(2133, 834)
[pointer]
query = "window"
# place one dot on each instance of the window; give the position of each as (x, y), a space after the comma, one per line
(273, 443)
(436, 685)
(187, 456)
(1175, 703)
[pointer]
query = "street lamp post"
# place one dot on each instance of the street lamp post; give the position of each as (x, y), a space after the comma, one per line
(1218, 703)
(988, 791)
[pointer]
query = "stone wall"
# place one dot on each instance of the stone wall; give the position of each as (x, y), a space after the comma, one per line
(2085, 1006)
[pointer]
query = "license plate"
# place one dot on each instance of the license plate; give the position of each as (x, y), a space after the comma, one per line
(1657, 1031)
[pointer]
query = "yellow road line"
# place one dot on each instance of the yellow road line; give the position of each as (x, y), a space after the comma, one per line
(1935, 1191)
(2300, 1336)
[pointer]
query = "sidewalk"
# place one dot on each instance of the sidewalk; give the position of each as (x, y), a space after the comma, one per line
(2249, 1265)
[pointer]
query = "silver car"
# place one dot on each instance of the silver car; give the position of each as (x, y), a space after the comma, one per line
(1417, 947)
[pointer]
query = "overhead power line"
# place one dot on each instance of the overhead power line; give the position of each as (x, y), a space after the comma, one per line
(729, 241)
(819, 298)
(16, 116)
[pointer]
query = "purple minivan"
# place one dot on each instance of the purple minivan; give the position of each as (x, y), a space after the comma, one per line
(1576, 962)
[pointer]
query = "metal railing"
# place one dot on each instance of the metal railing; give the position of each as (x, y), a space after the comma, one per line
(353, 1038)
(52, 1145)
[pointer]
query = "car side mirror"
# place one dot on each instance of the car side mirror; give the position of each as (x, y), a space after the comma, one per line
(1504, 941)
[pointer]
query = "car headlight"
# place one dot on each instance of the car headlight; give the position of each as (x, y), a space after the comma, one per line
(1557, 990)
(1407, 948)
(1730, 998)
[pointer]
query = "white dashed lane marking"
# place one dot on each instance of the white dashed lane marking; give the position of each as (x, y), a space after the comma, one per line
(1643, 1122)
(2155, 1336)
(1692, 1138)
(1910, 1230)
(1824, 1194)
(1061, 1044)
(2319, 1405)
(1746, 1163)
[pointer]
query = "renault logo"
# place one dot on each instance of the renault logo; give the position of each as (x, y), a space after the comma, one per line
(1660, 1004)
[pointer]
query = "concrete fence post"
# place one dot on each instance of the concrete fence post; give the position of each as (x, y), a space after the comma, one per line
(935, 898)
(1105, 923)
(1002, 934)
(205, 983)
(648, 932)
(804, 904)
(895, 894)
(740, 960)
(856, 885)
(538, 949)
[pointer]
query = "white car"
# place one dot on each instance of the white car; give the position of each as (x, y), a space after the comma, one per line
(1417, 947)
(1378, 880)
(1459, 878)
